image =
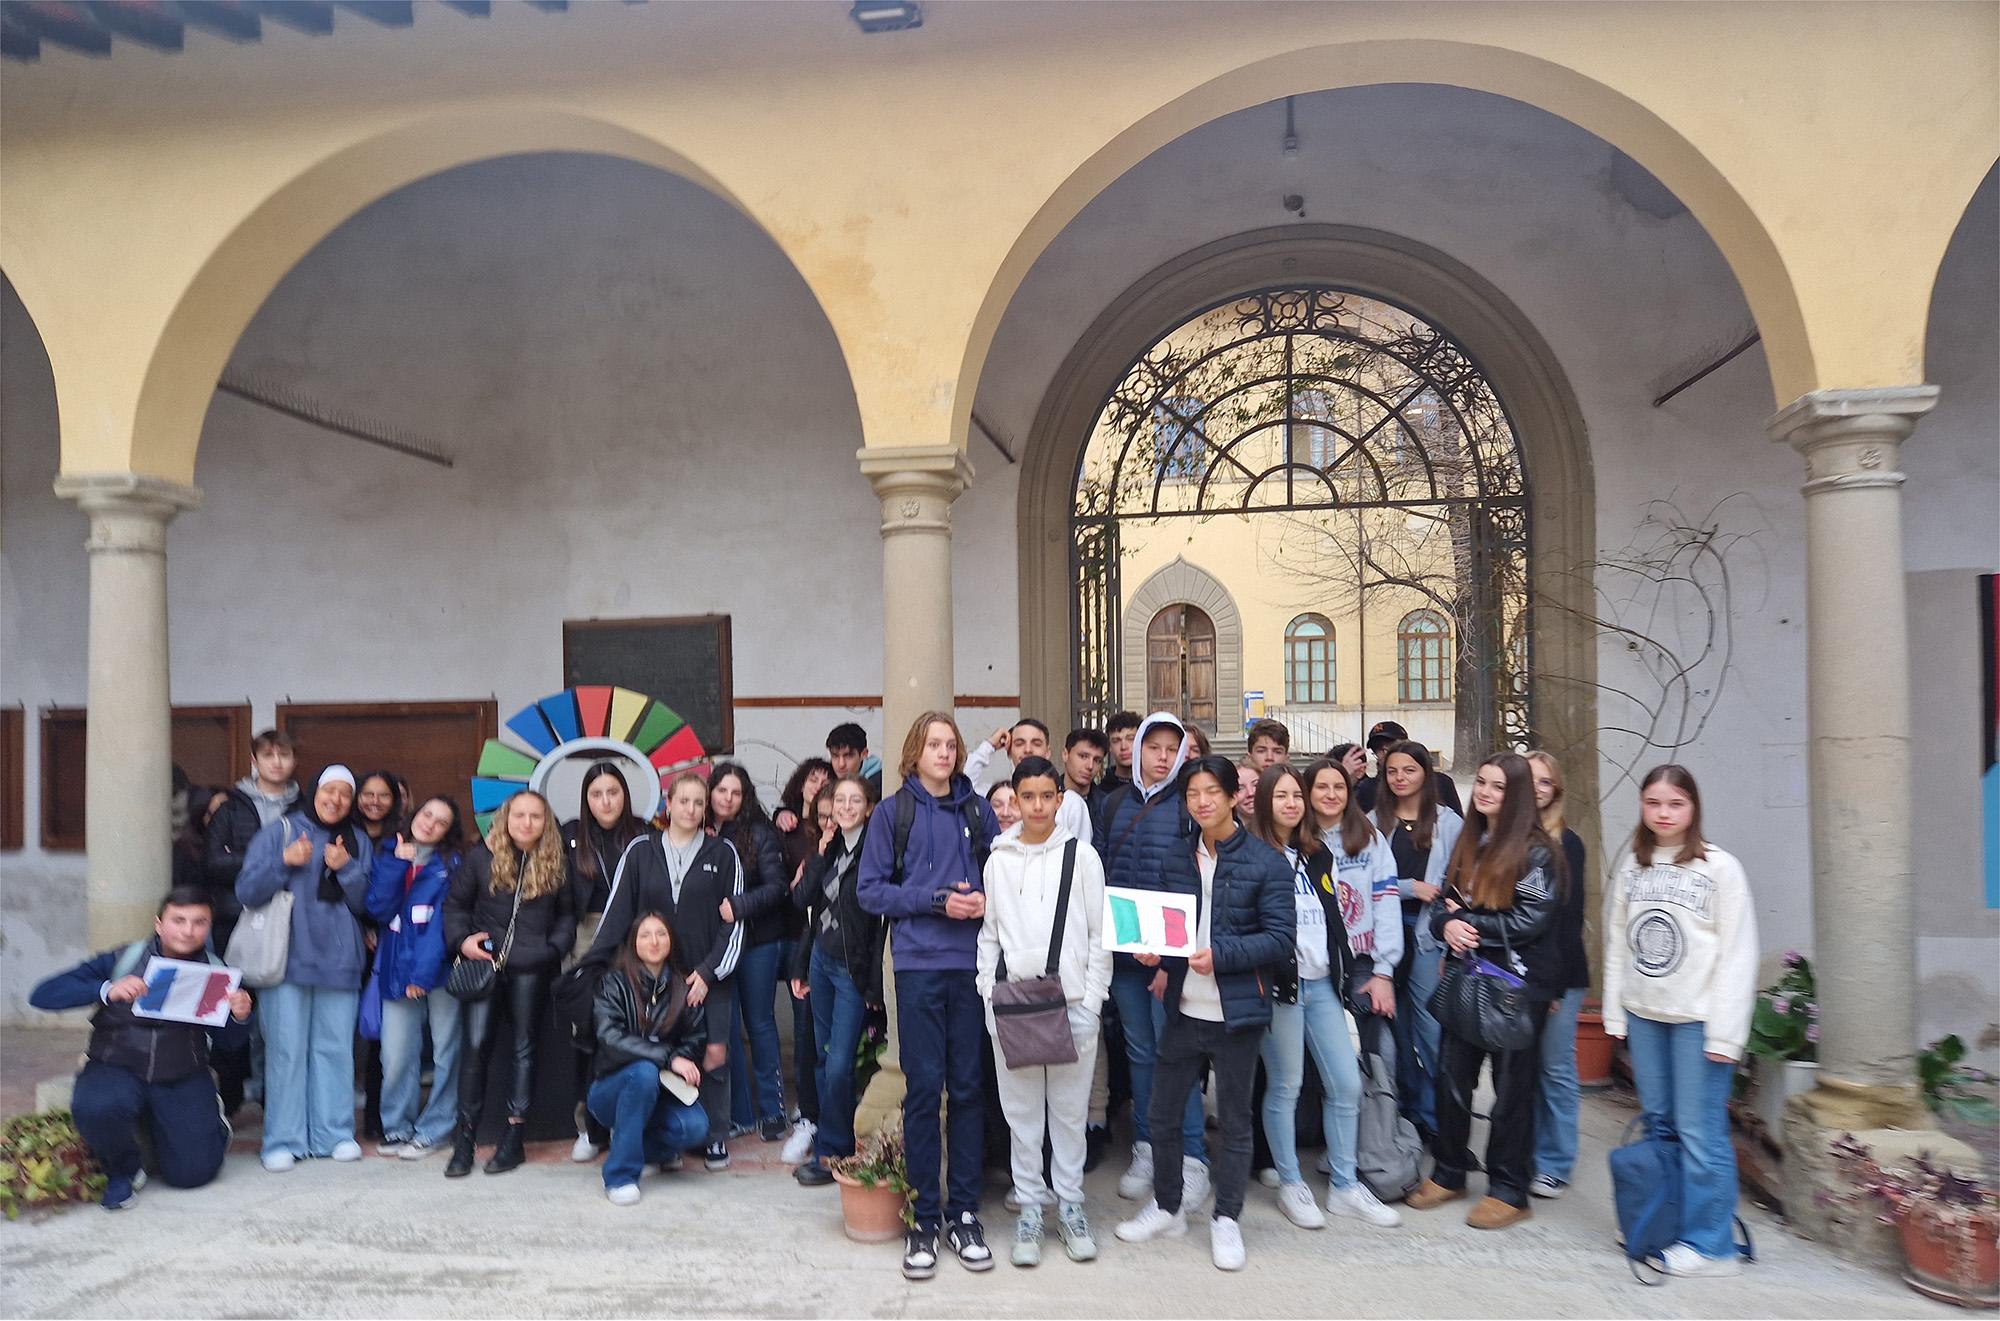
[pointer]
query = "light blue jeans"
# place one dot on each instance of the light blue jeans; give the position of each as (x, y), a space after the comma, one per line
(1318, 1021)
(308, 1068)
(1555, 1114)
(403, 1066)
(1143, 1018)
(1426, 968)
(1679, 1085)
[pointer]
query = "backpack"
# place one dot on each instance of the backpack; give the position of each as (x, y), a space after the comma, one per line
(906, 821)
(1646, 1191)
(1388, 1156)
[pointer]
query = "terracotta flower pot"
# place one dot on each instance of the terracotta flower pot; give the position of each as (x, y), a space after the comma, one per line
(870, 1215)
(1953, 1256)
(1593, 1051)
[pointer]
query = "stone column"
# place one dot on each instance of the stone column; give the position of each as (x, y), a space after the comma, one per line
(1858, 708)
(128, 746)
(916, 485)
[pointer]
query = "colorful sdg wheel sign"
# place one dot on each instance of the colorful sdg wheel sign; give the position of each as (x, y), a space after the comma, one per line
(547, 745)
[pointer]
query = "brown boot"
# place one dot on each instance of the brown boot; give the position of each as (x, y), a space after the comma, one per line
(1432, 1194)
(1492, 1213)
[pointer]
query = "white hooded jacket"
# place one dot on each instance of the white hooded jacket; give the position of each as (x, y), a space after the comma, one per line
(1022, 881)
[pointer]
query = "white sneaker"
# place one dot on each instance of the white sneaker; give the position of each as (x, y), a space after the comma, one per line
(391, 1146)
(1137, 1181)
(1680, 1259)
(1194, 1184)
(799, 1146)
(583, 1149)
(1359, 1202)
(1012, 1201)
(277, 1162)
(1547, 1185)
(625, 1194)
(1296, 1201)
(347, 1151)
(1225, 1244)
(1152, 1223)
(1269, 1177)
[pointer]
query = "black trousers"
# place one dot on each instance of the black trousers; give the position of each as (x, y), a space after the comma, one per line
(1510, 1136)
(1188, 1048)
(519, 998)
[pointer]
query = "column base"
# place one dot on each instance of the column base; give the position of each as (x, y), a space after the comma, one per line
(1891, 1122)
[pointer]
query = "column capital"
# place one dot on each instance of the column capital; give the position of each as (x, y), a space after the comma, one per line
(129, 511)
(1850, 437)
(916, 484)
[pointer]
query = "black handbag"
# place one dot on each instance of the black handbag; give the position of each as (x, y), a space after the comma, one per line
(1031, 1017)
(1479, 1001)
(474, 979)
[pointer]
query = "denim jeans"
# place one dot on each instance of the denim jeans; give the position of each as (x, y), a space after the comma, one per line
(839, 1017)
(1418, 1037)
(1190, 1047)
(943, 1026)
(1318, 1021)
(308, 1068)
(1679, 1085)
(1142, 1017)
(403, 1066)
(805, 1058)
(755, 1016)
(648, 1123)
(1555, 1117)
(189, 1139)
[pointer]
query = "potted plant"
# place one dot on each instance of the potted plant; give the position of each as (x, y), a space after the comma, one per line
(43, 1164)
(1784, 1040)
(1593, 1047)
(1965, 1100)
(874, 1186)
(1949, 1226)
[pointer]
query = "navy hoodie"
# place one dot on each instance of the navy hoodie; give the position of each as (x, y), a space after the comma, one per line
(939, 856)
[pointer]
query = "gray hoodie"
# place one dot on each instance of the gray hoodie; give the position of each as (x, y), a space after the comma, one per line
(269, 806)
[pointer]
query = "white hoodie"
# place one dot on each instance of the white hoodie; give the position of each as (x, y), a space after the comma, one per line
(1146, 791)
(1022, 881)
(1680, 946)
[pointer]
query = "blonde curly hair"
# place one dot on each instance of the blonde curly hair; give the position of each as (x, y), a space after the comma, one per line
(545, 865)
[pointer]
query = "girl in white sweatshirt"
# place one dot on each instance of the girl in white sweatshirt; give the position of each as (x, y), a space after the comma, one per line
(1680, 980)
(1023, 881)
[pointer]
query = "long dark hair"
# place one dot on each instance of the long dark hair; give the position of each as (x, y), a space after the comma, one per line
(398, 809)
(453, 841)
(592, 838)
(1492, 855)
(1425, 828)
(793, 799)
(1692, 844)
(743, 826)
(1355, 829)
(1264, 822)
(627, 965)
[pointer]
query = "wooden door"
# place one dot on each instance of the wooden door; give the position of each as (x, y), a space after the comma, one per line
(1180, 664)
(433, 745)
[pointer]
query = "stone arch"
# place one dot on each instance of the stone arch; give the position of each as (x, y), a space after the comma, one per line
(1585, 101)
(235, 279)
(1511, 353)
(1182, 583)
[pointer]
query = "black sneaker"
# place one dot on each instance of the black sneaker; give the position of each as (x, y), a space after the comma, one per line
(812, 1174)
(968, 1240)
(773, 1129)
(715, 1157)
(919, 1253)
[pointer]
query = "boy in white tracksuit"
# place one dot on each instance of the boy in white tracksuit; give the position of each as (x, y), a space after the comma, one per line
(1023, 879)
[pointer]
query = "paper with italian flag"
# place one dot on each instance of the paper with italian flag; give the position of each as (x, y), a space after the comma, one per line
(183, 992)
(1148, 922)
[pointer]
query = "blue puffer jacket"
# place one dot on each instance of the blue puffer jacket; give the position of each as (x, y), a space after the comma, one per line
(410, 908)
(326, 950)
(938, 857)
(1252, 930)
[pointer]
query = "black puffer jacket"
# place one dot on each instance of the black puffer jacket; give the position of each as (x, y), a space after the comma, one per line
(542, 936)
(644, 1025)
(766, 891)
(1253, 931)
(1527, 927)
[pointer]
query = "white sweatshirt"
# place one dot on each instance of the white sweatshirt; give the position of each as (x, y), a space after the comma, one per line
(1680, 946)
(1022, 881)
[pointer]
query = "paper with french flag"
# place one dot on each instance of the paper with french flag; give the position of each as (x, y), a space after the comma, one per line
(1148, 922)
(183, 992)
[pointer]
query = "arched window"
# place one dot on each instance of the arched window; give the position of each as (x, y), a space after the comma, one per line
(1309, 675)
(1178, 436)
(1423, 658)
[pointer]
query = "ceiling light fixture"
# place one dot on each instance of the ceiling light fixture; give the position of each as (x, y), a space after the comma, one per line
(886, 15)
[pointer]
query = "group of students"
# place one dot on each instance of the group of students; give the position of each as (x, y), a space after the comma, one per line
(1327, 903)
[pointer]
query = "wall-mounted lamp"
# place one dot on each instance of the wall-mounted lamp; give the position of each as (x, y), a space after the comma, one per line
(886, 15)
(1288, 166)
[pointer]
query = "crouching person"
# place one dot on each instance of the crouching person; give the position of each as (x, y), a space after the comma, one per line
(646, 1028)
(148, 1066)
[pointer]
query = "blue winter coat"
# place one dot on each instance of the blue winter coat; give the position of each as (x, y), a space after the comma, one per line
(410, 949)
(326, 949)
(938, 858)
(1252, 930)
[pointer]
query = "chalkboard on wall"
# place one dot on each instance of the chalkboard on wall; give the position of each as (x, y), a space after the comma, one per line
(684, 662)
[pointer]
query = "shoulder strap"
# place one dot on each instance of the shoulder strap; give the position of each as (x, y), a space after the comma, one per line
(507, 943)
(1062, 907)
(905, 821)
(1130, 789)
(975, 832)
(129, 960)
